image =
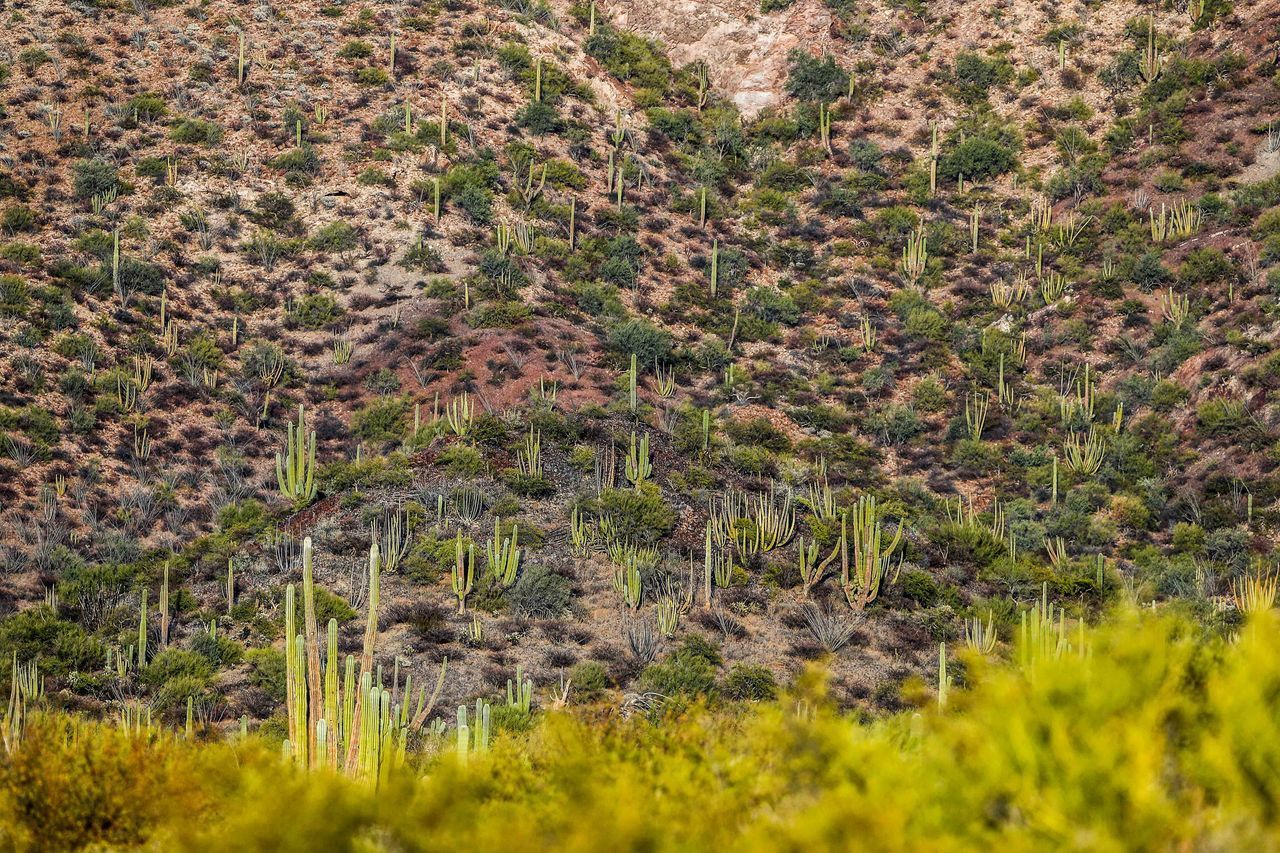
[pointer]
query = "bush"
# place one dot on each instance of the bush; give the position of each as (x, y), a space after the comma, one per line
(15, 296)
(539, 593)
(977, 158)
(974, 76)
(640, 337)
(815, 79)
(539, 118)
(58, 647)
(94, 177)
(629, 57)
(747, 681)
(381, 420)
(316, 311)
(589, 681)
(1071, 737)
(173, 664)
(640, 513)
(195, 131)
(688, 671)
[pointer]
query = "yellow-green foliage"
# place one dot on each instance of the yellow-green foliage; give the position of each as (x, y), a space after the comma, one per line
(1161, 738)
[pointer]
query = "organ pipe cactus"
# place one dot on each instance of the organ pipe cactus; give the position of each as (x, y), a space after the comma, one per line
(520, 693)
(503, 554)
(296, 467)
(464, 572)
(638, 465)
(862, 577)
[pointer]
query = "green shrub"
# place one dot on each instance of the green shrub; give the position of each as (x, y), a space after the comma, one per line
(15, 296)
(589, 680)
(381, 420)
(815, 79)
(977, 158)
(749, 682)
(687, 672)
(94, 177)
(58, 647)
(643, 339)
(195, 131)
(539, 593)
(640, 513)
(316, 311)
(974, 76)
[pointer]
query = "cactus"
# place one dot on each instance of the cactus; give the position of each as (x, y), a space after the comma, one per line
(164, 606)
(464, 572)
(824, 128)
(529, 457)
(980, 637)
(573, 222)
(861, 582)
(142, 631)
(915, 255)
(975, 414)
(1174, 308)
(1043, 637)
(628, 583)
(579, 533)
(638, 465)
(520, 694)
(1084, 453)
(1151, 63)
(503, 554)
(314, 694)
(632, 399)
(231, 585)
(460, 415)
(1255, 592)
(944, 680)
(715, 267)
(296, 467)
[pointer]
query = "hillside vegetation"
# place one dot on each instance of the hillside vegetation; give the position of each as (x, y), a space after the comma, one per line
(376, 378)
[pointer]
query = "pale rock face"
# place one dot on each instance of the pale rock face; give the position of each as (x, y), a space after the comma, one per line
(745, 51)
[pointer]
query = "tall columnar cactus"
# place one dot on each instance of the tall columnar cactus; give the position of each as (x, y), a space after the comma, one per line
(473, 740)
(638, 466)
(520, 693)
(464, 571)
(314, 694)
(915, 255)
(142, 632)
(1151, 63)
(824, 128)
(861, 581)
(632, 375)
(164, 606)
(503, 554)
(715, 267)
(944, 680)
(296, 467)
(460, 415)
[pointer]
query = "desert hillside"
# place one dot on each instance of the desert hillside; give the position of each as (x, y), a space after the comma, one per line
(624, 358)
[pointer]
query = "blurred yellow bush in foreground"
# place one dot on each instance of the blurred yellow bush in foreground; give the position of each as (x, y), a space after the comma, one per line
(1160, 738)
